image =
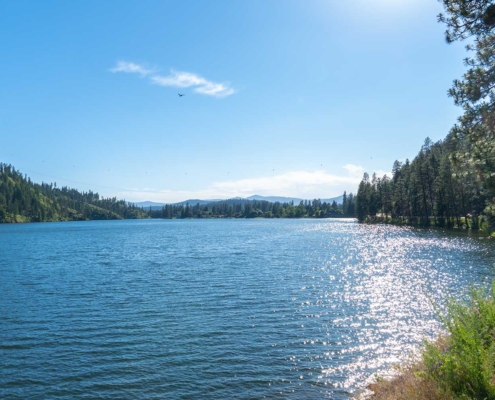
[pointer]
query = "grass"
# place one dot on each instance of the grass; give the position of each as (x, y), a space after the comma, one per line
(458, 365)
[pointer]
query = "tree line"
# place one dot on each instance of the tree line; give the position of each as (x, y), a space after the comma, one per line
(239, 208)
(430, 190)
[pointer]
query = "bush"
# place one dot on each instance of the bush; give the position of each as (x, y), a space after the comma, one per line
(458, 365)
(465, 366)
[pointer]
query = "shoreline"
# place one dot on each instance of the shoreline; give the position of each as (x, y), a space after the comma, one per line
(458, 364)
(172, 219)
(481, 231)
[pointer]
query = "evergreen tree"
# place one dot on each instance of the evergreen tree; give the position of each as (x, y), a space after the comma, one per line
(475, 92)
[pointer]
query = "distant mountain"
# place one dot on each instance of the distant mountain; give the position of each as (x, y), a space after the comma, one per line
(296, 200)
(159, 206)
(147, 204)
(193, 202)
(271, 199)
(338, 199)
(274, 199)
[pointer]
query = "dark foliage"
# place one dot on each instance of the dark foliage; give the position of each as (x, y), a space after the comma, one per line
(430, 190)
(259, 209)
(21, 200)
(475, 91)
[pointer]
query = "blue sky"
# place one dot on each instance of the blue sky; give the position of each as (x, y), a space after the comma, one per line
(294, 98)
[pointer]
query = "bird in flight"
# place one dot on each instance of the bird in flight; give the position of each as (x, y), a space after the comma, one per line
(180, 95)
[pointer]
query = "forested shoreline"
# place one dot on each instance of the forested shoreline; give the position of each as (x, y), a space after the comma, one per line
(430, 190)
(22, 200)
(241, 208)
(451, 182)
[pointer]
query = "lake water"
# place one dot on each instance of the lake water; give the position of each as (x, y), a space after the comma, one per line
(220, 309)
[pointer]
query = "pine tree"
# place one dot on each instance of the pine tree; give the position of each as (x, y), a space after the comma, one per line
(475, 92)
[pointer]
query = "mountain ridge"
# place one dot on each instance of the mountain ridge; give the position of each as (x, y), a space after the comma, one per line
(255, 197)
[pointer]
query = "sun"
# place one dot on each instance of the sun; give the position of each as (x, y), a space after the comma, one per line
(378, 12)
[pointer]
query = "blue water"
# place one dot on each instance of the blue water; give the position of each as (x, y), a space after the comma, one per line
(220, 309)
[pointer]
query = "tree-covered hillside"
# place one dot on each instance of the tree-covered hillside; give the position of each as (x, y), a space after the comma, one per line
(21, 200)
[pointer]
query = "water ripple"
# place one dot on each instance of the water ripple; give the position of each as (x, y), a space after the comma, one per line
(223, 309)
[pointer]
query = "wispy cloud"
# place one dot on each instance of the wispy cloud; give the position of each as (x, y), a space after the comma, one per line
(302, 184)
(179, 79)
(131, 68)
(200, 84)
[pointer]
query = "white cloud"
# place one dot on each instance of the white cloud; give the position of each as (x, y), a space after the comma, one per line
(215, 89)
(131, 68)
(178, 79)
(183, 79)
(302, 184)
(305, 184)
(357, 171)
(380, 173)
(354, 170)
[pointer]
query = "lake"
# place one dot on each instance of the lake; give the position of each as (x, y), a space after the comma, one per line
(220, 309)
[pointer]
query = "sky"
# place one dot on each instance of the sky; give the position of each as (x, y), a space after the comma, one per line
(284, 98)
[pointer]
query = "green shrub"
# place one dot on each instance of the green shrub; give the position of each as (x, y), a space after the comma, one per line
(464, 364)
